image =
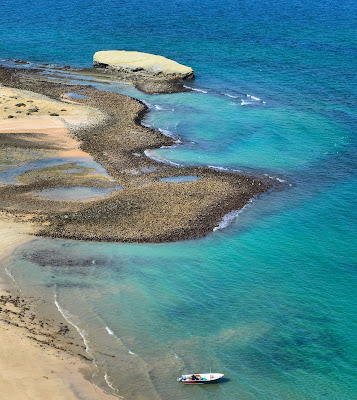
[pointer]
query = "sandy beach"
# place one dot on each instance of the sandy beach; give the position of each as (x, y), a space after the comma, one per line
(30, 368)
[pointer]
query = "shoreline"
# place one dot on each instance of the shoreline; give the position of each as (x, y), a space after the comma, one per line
(152, 210)
(34, 360)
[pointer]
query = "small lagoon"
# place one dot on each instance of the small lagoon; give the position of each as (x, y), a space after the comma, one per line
(75, 193)
(180, 179)
(73, 95)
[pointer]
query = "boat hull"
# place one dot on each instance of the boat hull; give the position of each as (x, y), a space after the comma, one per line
(201, 378)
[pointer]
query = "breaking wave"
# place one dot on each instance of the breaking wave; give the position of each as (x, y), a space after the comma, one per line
(195, 89)
(253, 97)
(230, 95)
(69, 318)
(109, 331)
(245, 103)
(161, 160)
(229, 218)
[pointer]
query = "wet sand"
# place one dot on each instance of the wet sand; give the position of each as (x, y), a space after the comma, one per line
(34, 362)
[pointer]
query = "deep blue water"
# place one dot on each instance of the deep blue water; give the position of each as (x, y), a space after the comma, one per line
(270, 300)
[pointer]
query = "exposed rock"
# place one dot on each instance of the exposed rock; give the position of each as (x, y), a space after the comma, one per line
(21, 61)
(134, 63)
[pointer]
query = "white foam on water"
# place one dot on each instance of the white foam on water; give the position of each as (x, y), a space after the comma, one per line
(161, 160)
(217, 168)
(230, 95)
(106, 378)
(69, 318)
(168, 133)
(93, 262)
(280, 180)
(171, 135)
(276, 178)
(253, 97)
(245, 103)
(9, 274)
(195, 89)
(229, 218)
(109, 331)
(148, 154)
(131, 352)
(157, 107)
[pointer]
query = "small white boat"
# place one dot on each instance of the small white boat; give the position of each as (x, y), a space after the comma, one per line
(200, 378)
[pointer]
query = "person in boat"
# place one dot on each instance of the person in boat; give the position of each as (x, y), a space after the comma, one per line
(194, 377)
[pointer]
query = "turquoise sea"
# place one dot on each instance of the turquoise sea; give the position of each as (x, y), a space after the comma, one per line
(270, 299)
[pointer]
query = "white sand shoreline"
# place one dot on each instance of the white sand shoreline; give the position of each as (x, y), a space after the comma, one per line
(28, 372)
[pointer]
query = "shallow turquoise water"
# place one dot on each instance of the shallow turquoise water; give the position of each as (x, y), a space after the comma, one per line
(270, 300)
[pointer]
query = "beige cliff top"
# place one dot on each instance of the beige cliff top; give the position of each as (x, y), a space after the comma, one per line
(136, 59)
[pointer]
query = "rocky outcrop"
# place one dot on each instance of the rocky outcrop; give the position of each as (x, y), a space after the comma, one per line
(142, 68)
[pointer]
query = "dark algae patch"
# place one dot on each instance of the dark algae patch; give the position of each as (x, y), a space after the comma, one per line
(148, 209)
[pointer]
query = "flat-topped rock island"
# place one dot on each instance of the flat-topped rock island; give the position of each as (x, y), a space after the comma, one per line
(148, 72)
